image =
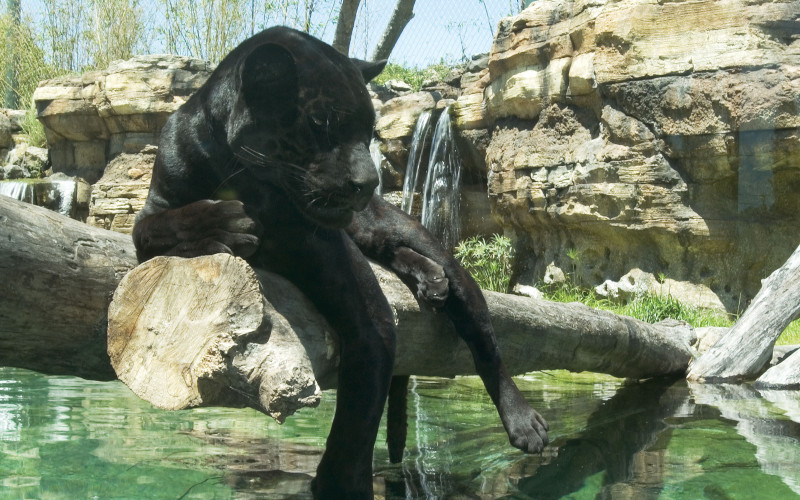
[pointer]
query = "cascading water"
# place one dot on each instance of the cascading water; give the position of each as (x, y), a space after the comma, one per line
(64, 193)
(18, 190)
(377, 159)
(54, 194)
(441, 195)
(422, 130)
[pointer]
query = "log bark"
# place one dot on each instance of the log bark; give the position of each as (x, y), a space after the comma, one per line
(784, 375)
(344, 26)
(212, 331)
(744, 352)
(57, 276)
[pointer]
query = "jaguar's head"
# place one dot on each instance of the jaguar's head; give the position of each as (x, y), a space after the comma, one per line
(303, 121)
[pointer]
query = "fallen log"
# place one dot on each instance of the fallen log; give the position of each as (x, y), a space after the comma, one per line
(744, 351)
(212, 331)
(57, 277)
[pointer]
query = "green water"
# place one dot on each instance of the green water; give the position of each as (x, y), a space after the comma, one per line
(63, 437)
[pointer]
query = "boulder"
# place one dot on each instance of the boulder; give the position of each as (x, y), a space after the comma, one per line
(28, 161)
(399, 115)
(91, 118)
(662, 137)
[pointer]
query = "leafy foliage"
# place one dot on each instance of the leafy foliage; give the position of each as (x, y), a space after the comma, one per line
(29, 61)
(489, 262)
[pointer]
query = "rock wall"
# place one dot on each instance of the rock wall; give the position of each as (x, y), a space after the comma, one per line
(661, 138)
(119, 195)
(91, 118)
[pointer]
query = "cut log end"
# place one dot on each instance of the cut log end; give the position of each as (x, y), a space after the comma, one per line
(194, 332)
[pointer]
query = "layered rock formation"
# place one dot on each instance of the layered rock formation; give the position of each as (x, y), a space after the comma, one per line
(119, 195)
(657, 137)
(91, 118)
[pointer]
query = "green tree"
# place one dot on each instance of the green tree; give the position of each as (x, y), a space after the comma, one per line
(206, 29)
(11, 64)
(24, 61)
(64, 34)
(116, 31)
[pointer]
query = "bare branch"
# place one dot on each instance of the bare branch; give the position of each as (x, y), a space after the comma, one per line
(403, 13)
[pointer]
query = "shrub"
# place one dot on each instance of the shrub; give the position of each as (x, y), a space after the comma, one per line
(489, 262)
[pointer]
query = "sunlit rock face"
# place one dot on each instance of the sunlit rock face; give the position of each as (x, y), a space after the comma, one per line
(658, 136)
(91, 118)
(120, 194)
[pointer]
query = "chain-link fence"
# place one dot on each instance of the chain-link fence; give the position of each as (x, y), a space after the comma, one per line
(441, 31)
(53, 37)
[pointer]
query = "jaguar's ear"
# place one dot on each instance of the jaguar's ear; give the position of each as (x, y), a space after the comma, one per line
(369, 69)
(269, 76)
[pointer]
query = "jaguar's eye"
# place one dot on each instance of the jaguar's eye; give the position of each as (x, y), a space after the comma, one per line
(318, 120)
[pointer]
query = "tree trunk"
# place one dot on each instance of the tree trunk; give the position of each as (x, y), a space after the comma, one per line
(403, 13)
(784, 375)
(743, 352)
(219, 332)
(344, 26)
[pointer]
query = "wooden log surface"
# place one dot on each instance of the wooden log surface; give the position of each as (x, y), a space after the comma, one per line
(746, 349)
(783, 375)
(57, 276)
(212, 331)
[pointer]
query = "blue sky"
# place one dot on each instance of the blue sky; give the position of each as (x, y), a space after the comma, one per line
(443, 29)
(446, 30)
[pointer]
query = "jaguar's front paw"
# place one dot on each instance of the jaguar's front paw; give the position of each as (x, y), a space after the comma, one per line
(526, 429)
(206, 227)
(433, 287)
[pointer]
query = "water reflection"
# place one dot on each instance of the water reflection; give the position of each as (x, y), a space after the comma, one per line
(616, 433)
(63, 437)
(757, 416)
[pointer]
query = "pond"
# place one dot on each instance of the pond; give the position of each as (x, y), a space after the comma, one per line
(64, 437)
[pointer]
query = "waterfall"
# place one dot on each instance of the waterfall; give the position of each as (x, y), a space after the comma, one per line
(19, 190)
(421, 133)
(377, 159)
(63, 192)
(441, 195)
(54, 194)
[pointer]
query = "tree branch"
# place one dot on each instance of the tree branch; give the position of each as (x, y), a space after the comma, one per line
(403, 13)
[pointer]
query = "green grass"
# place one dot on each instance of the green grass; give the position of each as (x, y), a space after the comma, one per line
(791, 335)
(489, 262)
(649, 308)
(655, 308)
(33, 128)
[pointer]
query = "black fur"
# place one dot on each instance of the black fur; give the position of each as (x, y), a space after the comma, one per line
(269, 161)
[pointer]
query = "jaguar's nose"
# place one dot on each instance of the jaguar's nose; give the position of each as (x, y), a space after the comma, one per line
(363, 177)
